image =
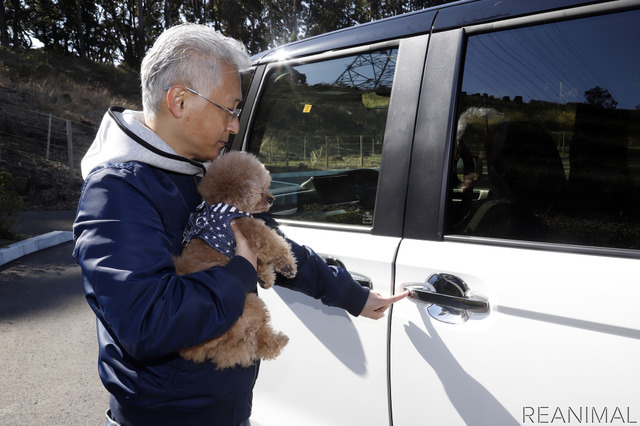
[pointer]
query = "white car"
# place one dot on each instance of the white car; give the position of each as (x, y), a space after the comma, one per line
(484, 155)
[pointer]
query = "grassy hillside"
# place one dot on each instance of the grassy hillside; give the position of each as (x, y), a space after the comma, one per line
(38, 88)
(68, 85)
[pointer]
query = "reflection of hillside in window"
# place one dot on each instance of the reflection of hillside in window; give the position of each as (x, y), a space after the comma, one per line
(342, 98)
(319, 128)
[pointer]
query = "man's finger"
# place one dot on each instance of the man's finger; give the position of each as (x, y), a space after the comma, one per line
(397, 297)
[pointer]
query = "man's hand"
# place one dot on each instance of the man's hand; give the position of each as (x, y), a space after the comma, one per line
(376, 305)
(242, 246)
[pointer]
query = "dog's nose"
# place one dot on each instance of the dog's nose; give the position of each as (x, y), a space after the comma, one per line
(270, 201)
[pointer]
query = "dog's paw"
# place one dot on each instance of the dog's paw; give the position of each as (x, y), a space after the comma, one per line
(266, 282)
(270, 344)
(288, 271)
(286, 266)
(266, 275)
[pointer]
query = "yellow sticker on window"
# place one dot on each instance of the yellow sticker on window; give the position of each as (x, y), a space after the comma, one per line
(306, 109)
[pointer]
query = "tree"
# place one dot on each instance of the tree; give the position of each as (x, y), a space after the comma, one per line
(4, 34)
(45, 18)
(80, 30)
(600, 97)
(132, 25)
(14, 22)
(140, 40)
(69, 27)
(121, 30)
(171, 13)
(325, 16)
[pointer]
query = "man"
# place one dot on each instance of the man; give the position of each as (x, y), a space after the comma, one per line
(140, 176)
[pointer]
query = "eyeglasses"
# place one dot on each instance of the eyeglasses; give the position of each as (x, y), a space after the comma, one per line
(233, 113)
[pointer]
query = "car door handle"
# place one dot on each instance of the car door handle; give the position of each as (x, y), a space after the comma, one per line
(424, 294)
(363, 280)
(448, 297)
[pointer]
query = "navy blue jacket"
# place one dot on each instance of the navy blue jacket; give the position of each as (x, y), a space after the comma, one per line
(129, 223)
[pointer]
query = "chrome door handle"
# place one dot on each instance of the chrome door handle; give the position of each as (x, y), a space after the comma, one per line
(362, 280)
(448, 296)
(423, 294)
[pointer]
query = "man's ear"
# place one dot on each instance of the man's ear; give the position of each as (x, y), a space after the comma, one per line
(175, 100)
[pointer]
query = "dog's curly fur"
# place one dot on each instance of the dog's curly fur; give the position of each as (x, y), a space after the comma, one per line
(241, 180)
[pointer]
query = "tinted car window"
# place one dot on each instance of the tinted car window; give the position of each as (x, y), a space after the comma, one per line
(319, 129)
(548, 138)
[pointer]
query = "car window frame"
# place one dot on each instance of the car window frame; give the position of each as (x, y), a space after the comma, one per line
(398, 136)
(436, 131)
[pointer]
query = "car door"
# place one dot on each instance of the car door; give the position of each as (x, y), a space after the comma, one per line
(522, 255)
(334, 131)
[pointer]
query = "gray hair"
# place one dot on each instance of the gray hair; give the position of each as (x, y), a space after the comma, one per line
(189, 54)
(480, 116)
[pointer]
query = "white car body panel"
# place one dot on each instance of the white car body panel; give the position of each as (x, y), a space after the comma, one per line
(343, 359)
(560, 343)
(548, 311)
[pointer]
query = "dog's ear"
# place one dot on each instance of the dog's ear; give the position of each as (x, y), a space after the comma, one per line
(206, 187)
(250, 195)
(239, 179)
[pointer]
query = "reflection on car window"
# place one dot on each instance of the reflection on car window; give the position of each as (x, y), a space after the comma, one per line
(319, 129)
(548, 138)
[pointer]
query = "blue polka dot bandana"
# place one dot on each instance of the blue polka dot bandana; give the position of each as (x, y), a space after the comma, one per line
(211, 224)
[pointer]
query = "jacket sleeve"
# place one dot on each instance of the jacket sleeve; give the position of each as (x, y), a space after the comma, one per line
(123, 248)
(332, 285)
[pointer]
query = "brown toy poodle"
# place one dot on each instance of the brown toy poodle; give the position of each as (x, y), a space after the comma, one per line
(235, 186)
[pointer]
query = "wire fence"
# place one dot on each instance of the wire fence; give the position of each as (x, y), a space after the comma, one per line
(323, 151)
(26, 133)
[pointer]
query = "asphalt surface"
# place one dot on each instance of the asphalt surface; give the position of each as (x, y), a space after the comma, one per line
(48, 345)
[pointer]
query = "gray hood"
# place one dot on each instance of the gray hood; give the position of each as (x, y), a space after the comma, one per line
(123, 137)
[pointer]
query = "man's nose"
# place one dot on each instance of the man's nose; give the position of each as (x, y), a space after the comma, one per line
(233, 126)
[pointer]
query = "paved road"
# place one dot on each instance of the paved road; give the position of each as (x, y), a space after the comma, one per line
(48, 347)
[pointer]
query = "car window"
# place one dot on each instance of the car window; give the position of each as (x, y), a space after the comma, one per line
(319, 129)
(548, 138)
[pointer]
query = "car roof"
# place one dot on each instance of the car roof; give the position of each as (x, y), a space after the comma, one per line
(438, 18)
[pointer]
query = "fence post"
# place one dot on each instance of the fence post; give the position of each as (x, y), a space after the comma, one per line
(70, 152)
(49, 137)
(361, 151)
(326, 154)
(286, 152)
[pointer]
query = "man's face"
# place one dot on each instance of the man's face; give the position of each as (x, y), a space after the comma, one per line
(206, 128)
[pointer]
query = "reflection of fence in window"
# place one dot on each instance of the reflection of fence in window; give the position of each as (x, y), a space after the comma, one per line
(327, 152)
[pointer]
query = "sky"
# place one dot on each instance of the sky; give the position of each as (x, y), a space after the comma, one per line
(558, 62)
